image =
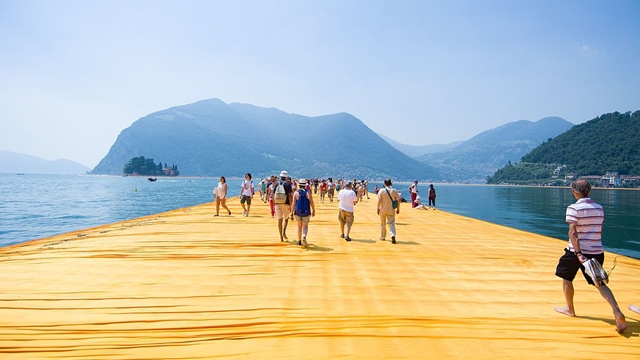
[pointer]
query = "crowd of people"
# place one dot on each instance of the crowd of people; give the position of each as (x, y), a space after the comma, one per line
(290, 199)
(293, 200)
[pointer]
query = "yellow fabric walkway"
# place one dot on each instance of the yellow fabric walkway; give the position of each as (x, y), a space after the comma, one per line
(184, 284)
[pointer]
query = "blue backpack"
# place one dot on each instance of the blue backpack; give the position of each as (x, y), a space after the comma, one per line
(302, 205)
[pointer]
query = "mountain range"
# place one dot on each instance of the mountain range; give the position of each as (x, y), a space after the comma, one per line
(475, 159)
(212, 138)
(418, 150)
(11, 162)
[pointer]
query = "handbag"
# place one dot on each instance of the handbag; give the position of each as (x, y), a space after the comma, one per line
(394, 203)
(595, 271)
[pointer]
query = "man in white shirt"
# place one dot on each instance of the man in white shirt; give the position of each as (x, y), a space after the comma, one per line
(347, 198)
(585, 219)
(246, 193)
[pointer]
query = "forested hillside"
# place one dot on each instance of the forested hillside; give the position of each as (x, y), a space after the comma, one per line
(608, 143)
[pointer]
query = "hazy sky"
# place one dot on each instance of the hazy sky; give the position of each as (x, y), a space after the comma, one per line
(74, 74)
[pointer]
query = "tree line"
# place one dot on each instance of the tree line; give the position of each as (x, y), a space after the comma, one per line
(147, 167)
(608, 143)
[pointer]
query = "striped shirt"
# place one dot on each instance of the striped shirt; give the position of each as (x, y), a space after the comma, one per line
(588, 217)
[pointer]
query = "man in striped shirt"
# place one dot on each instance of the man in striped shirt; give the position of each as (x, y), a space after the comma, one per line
(585, 219)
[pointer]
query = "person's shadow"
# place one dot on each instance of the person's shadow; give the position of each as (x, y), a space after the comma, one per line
(407, 242)
(366, 241)
(633, 324)
(313, 247)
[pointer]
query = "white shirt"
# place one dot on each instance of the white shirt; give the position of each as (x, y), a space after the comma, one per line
(221, 193)
(347, 198)
(247, 188)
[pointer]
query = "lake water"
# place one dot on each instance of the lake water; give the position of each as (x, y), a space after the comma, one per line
(36, 206)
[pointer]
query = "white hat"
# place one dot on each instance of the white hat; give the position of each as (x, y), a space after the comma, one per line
(283, 173)
(418, 197)
(302, 182)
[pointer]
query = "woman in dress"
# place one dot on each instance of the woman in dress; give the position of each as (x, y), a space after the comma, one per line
(220, 193)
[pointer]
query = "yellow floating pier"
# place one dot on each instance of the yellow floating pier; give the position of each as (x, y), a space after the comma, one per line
(185, 284)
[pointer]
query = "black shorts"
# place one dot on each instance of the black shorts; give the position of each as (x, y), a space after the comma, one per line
(245, 198)
(568, 266)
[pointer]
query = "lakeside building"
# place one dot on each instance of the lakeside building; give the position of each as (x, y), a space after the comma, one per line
(610, 179)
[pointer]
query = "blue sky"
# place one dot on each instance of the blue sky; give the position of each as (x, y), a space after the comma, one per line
(74, 74)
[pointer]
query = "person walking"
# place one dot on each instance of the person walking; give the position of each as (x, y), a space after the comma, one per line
(220, 193)
(347, 198)
(585, 218)
(331, 186)
(323, 190)
(263, 190)
(387, 208)
(246, 193)
(282, 198)
(270, 190)
(303, 209)
(365, 183)
(432, 196)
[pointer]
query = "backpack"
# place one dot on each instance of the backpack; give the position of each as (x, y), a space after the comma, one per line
(302, 205)
(280, 195)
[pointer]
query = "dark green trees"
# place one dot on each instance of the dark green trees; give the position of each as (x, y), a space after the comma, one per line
(147, 167)
(608, 143)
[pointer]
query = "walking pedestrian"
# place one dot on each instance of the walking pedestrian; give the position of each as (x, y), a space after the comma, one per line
(388, 206)
(220, 193)
(331, 186)
(246, 193)
(282, 197)
(270, 190)
(585, 218)
(347, 198)
(303, 209)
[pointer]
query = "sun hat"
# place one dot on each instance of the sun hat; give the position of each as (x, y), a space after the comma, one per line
(284, 173)
(302, 182)
(418, 197)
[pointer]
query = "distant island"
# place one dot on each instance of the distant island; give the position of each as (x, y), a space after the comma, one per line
(147, 167)
(603, 151)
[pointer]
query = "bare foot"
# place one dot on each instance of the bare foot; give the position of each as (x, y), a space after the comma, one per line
(565, 310)
(634, 308)
(621, 323)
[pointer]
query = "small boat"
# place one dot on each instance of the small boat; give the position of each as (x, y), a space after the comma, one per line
(152, 179)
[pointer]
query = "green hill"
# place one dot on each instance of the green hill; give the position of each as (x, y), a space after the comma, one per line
(608, 143)
(212, 138)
